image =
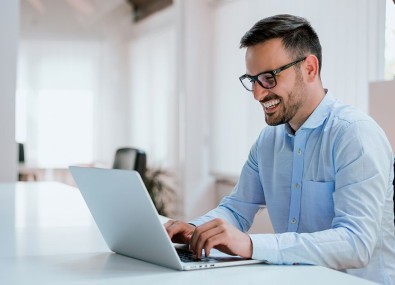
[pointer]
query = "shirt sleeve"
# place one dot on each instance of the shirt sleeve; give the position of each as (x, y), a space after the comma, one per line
(240, 207)
(363, 163)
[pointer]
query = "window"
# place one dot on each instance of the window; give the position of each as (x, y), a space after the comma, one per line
(389, 72)
(64, 127)
(56, 94)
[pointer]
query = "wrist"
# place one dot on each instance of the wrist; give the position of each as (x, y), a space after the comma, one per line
(250, 247)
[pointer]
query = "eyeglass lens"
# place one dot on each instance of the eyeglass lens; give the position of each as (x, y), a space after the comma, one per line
(266, 80)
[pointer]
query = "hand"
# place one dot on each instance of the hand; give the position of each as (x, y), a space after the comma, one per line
(222, 236)
(179, 232)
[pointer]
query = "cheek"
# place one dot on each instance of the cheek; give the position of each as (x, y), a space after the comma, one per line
(285, 87)
(283, 94)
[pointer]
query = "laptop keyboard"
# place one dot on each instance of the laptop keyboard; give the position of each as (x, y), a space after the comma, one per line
(188, 256)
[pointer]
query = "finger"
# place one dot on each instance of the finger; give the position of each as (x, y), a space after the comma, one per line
(179, 232)
(187, 237)
(202, 240)
(169, 227)
(169, 222)
(175, 228)
(201, 229)
(213, 242)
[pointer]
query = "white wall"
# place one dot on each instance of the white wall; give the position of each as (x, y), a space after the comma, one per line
(9, 22)
(187, 98)
(194, 72)
(112, 112)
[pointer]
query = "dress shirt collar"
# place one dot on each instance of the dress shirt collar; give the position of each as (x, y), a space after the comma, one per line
(318, 116)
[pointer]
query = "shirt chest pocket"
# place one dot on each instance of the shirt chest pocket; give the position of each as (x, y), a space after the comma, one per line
(317, 209)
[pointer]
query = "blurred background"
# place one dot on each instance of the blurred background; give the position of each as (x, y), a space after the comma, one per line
(80, 79)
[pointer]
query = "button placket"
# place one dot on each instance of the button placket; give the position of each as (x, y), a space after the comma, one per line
(297, 175)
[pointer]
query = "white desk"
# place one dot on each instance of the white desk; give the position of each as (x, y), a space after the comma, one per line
(47, 236)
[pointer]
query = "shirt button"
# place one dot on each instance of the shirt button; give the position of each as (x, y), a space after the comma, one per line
(294, 221)
(296, 186)
(299, 152)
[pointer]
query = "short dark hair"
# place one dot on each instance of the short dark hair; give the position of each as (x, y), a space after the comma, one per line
(296, 33)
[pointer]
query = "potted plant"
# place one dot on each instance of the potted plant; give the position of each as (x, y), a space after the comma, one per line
(162, 194)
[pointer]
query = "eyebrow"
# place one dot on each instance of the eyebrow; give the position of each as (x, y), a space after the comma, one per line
(268, 71)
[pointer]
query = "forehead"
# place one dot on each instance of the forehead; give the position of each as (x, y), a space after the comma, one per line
(265, 56)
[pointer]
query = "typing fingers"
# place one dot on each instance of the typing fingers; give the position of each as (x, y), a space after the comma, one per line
(222, 236)
(208, 236)
(169, 226)
(178, 231)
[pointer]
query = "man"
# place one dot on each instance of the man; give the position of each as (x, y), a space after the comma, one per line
(323, 169)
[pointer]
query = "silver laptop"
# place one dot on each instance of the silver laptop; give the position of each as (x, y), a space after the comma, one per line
(130, 224)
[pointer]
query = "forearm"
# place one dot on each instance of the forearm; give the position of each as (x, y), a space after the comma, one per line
(334, 248)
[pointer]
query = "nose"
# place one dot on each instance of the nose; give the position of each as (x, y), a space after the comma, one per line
(259, 92)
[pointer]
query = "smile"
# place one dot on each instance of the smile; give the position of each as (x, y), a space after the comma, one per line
(271, 103)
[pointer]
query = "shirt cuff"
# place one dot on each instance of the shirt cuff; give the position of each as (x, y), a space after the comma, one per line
(265, 247)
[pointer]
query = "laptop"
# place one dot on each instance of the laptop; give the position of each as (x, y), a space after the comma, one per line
(130, 224)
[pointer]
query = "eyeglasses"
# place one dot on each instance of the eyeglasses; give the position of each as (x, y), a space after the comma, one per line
(266, 79)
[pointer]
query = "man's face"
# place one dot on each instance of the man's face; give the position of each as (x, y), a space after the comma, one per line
(283, 103)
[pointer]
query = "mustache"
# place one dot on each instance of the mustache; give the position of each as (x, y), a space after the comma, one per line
(270, 97)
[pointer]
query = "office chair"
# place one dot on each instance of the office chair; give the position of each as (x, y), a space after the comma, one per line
(21, 153)
(131, 159)
(24, 173)
(21, 160)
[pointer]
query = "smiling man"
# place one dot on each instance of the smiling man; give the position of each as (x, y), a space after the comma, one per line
(323, 169)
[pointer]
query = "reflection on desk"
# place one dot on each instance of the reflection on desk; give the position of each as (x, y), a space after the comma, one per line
(48, 236)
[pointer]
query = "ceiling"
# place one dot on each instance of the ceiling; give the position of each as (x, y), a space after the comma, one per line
(145, 8)
(72, 17)
(78, 8)
(93, 17)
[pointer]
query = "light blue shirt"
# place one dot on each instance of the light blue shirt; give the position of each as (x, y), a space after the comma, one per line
(328, 190)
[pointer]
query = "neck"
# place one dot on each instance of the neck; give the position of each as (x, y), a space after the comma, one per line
(313, 99)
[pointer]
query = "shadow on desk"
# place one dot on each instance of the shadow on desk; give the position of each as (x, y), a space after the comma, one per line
(107, 264)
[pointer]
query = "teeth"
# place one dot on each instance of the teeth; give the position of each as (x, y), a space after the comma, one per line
(271, 103)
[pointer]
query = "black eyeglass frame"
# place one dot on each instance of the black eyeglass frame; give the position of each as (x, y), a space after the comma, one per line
(273, 73)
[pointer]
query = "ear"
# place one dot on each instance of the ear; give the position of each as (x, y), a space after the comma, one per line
(311, 67)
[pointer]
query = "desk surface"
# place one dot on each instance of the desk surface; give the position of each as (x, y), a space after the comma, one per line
(48, 236)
